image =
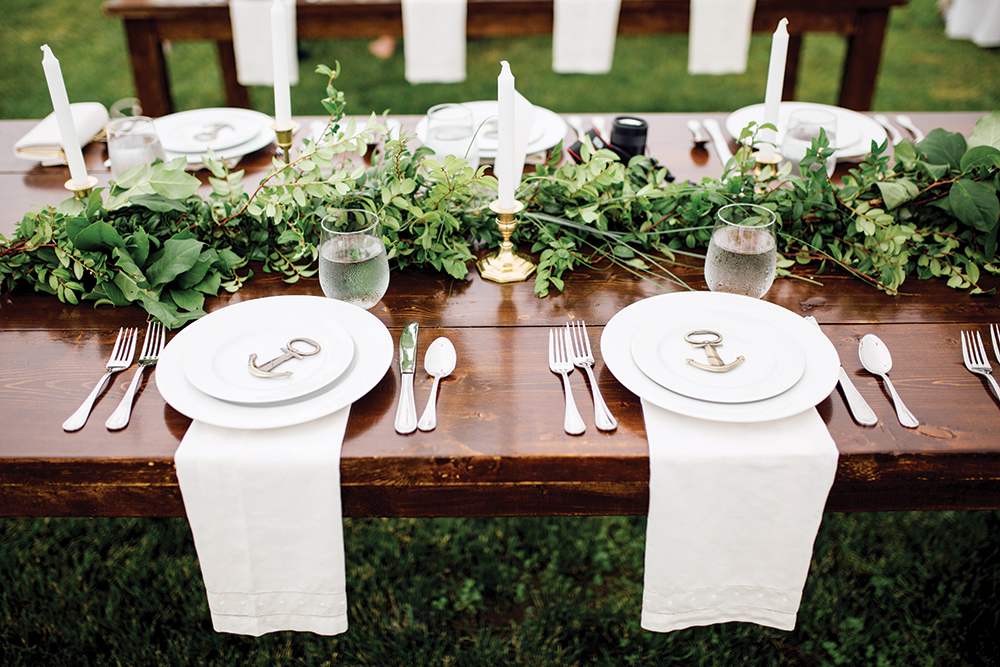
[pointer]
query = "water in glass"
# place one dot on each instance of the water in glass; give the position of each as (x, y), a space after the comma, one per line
(742, 253)
(353, 266)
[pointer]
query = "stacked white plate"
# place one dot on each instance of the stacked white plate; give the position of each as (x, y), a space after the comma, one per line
(547, 130)
(789, 365)
(230, 133)
(203, 372)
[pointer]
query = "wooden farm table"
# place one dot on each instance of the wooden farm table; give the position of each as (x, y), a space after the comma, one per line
(150, 23)
(499, 448)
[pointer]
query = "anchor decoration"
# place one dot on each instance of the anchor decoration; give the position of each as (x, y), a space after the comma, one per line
(211, 132)
(290, 352)
(715, 363)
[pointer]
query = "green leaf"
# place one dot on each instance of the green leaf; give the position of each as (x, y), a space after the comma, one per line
(98, 236)
(171, 181)
(942, 147)
(176, 257)
(975, 204)
(188, 299)
(897, 192)
(158, 203)
(987, 131)
(980, 156)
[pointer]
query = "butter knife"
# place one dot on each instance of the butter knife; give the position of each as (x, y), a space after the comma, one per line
(856, 404)
(721, 145)
(406, 411)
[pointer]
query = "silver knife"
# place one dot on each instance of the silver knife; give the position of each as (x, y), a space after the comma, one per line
(406, 411)
(721, 145)
(856, 404)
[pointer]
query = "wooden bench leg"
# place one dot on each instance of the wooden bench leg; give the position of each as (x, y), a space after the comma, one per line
(149, 68)
(861, 64)
(236, 95)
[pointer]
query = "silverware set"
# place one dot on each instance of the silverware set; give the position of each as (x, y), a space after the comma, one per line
(121, 358)
(569, 347)
(895, 136)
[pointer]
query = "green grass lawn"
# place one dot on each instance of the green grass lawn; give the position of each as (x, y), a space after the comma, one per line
(884, 589)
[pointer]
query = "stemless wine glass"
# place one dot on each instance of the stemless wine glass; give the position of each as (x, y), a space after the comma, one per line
(743, 251)
(804, 125)
(451, 131)
(132, 141)
(353, 266)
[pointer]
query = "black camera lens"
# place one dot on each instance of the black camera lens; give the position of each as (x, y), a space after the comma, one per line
(629, 134)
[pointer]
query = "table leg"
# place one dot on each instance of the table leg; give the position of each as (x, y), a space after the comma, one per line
(149, 68)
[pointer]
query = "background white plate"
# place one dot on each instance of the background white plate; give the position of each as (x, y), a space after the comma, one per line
(548, 129)
(198, 130)
(772, 360)
(855, 131)
(373, 352)
(818, 379)
(264, 136)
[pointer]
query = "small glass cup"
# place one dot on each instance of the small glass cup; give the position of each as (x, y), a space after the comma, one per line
(451, 130)
(353, 265)
(743, 251)
(132, 141)
(804, 125)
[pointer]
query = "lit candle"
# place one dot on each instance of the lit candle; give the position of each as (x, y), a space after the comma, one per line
(279, 58)
(503, 167)
(64, 117)
(772, 94)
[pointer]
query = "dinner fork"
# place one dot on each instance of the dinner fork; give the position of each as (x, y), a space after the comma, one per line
(151, 347)
(560, 364)
(583, 357)
(974, 356)
(995, 335)
(121, 358)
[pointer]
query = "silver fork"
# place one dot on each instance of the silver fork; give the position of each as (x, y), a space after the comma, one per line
(974, 356)
(995, 334)
(583, 357)
(121, 358)
(151, 347)
(559, 363)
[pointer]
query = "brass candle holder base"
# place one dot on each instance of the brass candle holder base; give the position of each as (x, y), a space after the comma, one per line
(82, 191)
(771, 161)
(284, 139)
(506, 265)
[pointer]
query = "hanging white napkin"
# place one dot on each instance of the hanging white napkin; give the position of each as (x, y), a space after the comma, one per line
(976, 20)
(434, 40)
(265, 510)
(583, 35)
(251, 21)
(43, 142)
(719, 37)
(733, 514)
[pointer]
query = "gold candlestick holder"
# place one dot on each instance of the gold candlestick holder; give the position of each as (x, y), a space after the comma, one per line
(82, 191)
(506, 265)
(771, 161)
(284, 139)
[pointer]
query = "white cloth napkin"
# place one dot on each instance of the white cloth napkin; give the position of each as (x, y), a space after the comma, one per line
(720, 36)
(265, 510)
(733, 514)
(583, 35)
(43, 142)
(251, 21)
(976, 20)
(434, 40)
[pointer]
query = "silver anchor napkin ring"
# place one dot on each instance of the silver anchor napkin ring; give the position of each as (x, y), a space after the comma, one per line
(290, 352)
(715, 363)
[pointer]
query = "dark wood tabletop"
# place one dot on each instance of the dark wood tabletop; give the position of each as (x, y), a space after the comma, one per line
(499, 448)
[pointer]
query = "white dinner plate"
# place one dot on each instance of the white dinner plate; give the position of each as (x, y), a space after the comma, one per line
(218, 364)
(548, 129)
(855, 131)
(373, 352)
(246, 118)
(772, 361)
(199, 130)
(818, 379)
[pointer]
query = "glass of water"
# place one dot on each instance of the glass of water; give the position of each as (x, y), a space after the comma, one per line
(743, 251)
(132, 141)
(353, 266)
(451, 130)
(804, 125)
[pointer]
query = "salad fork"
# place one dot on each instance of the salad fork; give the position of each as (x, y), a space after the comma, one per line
(121, 358)
(151, 347)
(583, 357)
(560, 364)
(974, 356)
(995, 335)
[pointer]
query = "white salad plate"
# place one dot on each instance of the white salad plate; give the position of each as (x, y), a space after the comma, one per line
(772, 361)
(818, 379)
(373, 352)
(548, 129)
(251, 131)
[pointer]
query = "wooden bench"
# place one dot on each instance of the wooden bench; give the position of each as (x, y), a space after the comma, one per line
(150, 23)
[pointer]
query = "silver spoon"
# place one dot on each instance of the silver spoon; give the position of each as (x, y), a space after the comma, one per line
(439, 362)
(876, 359)
(577, 124)
(906, 122)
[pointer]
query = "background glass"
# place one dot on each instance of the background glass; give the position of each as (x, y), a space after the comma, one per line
(132, 141)
(451, 131)
(353, 265)
(804, 125)
(743, 251)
